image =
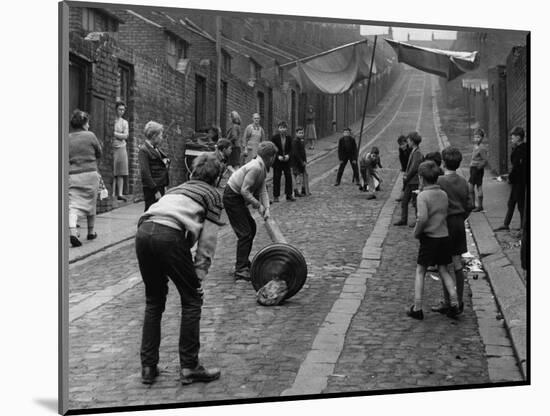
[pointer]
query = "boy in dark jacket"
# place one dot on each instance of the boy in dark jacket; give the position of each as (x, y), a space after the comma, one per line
(517, 177)
(283, 142)
(347, 151)
(153, 164)
(410, 178)
(298, 161)
(404, 152)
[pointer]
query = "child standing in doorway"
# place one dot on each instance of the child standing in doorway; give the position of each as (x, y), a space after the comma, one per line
(477, 168)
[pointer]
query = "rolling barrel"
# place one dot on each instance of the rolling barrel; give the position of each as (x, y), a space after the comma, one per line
(278, 260)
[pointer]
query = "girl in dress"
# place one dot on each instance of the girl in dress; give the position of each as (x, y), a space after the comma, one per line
(120, 155)
(311, 134)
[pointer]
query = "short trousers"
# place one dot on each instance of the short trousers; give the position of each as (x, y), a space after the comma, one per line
(434, 251)
(457, 234)
(476, 176)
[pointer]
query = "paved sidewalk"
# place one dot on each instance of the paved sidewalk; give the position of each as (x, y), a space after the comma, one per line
(499, 251)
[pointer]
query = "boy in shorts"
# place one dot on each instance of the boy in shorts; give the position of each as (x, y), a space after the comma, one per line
(459, 208)
(431, 230)
(477, 168)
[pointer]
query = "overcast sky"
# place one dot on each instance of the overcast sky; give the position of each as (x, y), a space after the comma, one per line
(400, 33)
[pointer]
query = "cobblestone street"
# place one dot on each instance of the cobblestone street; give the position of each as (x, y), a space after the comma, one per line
(350, 341)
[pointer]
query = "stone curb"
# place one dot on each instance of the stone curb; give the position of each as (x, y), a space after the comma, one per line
(506, 284)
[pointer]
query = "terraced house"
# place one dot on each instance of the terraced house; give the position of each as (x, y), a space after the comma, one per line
(163, 63)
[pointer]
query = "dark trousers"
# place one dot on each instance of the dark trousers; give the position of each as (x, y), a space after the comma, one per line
(163, 253)
(343, 164)
(243, 224)
(517, 196)
(149, 196)
(408, 195)
(283, 167)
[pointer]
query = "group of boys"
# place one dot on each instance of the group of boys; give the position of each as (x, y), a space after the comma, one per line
(443, 201)
(368, 162)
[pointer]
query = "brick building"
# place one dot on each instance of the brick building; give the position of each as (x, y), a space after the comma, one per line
(163, 64)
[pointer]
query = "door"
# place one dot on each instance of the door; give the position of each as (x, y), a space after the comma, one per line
(200, 102)
(78, 77)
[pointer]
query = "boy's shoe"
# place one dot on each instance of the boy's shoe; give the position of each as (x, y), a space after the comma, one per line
(276, 199)
(477, 209)
(461, 307)
(122, 198)
(290, 198)
(415, 314)
(243, 275)
(453, 311)
(371, 196)
(398, 199)
(92, 236)
(75, 242)
(400, 222)
(502, 228)
(149, 374)
(337, 184)
(412, 224)
(199, 373)
(442, 308)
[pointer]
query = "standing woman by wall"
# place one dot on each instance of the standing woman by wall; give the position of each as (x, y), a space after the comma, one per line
(84, 152)
(234, 136)
(311, 134)
(120, 154)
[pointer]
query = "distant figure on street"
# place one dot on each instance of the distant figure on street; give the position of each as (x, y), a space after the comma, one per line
(310, 133)
(223, 154)
(369, 162)
(253, 135)
(347, 152)
(298, 161)
(410, 179)
(234, 135)
(459, 208)
(477, 168)
(431, 230)
(213, 133)
(283, 142)
(187, 214)
(247, 187)
(84, 153)
(437, 159)
(404, 152)
(517, 177)
(120, 154)
(153, 164)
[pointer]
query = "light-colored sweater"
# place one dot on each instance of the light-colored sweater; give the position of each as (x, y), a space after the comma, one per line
(249, 181)
(431, 219)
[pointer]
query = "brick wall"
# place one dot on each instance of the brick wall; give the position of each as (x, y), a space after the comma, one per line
(516, 89)
(497, 138)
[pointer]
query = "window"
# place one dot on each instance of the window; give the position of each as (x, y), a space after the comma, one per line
(95, 21)
(255, 70)
(226, 62)
(176, 49)
(88, 20)
(124, 83)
